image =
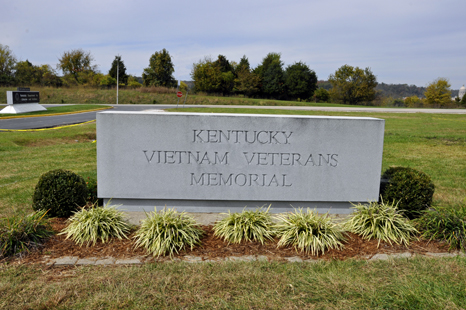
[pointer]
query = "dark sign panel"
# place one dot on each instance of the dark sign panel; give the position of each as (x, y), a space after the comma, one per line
(23, 89)
(25, 97)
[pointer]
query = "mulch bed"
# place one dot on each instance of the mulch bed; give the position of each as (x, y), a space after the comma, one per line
(213, 248)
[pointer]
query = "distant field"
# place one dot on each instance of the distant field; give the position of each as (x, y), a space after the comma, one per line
(134, 96)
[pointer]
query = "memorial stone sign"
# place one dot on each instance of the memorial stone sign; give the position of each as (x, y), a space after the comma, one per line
(217, 162)
(21, 101)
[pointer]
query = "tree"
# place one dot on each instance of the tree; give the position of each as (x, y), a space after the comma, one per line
(207, 76)
(353, 85)
(438, 93)
(247, 82)
(27, 74)
(120, 65)
(413, 102)
(160, 70)
(321, 95)
(272, 76)
(243, 64)
(7, 65)
(300, 81)
(227, 76)
(107, 80)
(133, 82)
(78, 64)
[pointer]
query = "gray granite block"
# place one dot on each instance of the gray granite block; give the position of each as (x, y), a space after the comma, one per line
(86, 261)
(294, 259)
(211, 162)
(105, 261)
(128, 261)
(66, 260)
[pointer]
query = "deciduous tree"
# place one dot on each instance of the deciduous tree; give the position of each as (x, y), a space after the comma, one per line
(438, 93)
(78, 64)
(353, 85)
(207, 76)
(160, 70)
(7, 65)
(321, 95)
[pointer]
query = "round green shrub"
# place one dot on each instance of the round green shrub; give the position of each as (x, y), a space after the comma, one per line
(410, 188)
(61, 192)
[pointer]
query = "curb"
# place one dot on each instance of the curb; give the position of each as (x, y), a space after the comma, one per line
(139, 260)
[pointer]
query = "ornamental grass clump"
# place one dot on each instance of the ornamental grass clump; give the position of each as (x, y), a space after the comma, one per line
(308, 231)
(19, 233)
(381, 221)
(168, 231)
(448, 224)
(96, 223)
(248, 225)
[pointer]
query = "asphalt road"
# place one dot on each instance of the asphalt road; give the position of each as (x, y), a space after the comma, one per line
(68, 119)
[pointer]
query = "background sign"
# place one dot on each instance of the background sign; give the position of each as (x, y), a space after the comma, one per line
(24, 97)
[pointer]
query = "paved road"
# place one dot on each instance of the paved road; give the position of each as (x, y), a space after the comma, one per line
(60, 120)
(68, 119)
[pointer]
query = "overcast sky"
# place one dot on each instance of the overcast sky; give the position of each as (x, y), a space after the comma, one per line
(402, 41)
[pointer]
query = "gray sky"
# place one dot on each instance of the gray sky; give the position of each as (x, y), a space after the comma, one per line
(402, 41)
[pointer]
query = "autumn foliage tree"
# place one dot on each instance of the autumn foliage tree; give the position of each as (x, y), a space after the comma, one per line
(352, 85)
(77, 64)
(438, 93)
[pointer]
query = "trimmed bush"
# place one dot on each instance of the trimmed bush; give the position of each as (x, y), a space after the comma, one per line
(248, 225)
(381, 221)
(168, 231)
(308, 232)
(96, 223)
(20, 232)
(411, 189)
(61, 192)
(448, 224)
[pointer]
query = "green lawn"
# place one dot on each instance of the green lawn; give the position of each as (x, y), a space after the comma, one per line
(418, 283)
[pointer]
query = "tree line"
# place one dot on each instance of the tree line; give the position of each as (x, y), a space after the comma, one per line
(270, 79)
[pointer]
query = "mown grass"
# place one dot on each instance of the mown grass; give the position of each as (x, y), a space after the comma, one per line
(58, 110)
(418, 283)
(25, 156)
(79, 95)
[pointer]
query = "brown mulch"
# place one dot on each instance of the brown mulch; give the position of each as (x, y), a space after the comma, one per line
(212, 247)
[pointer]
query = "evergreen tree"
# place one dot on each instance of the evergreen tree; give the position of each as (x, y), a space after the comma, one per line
(120, 65)
(300, 81)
